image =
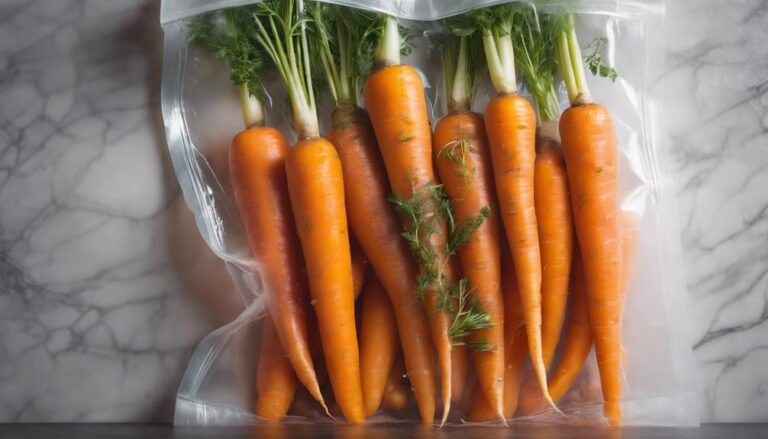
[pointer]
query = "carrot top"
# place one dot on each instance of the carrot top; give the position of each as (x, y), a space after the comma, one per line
(343, 44)
(534, 41)
(495, 24)
(460, 50)
(281, 31)
(225, 34)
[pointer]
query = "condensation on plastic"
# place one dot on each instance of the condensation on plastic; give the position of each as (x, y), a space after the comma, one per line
(201, 113)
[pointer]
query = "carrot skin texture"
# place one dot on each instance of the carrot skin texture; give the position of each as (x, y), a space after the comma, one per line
(316, 188)
(395, 101)
(275, 379)
(366, 191)
(511, 127)
(378, 343)
(556, 234)
(469, 185)
(257, 172)
(591, 156)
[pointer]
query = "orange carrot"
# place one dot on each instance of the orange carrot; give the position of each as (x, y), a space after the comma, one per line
(275, 379)
(367, 190)
(553, 213)
(463, 163)
(394, 96)
(591, 157)
(378, 343)
(578, 340)
(258, 181)
(516, 347)
(511, 127)
(316, 189)
(372, 218)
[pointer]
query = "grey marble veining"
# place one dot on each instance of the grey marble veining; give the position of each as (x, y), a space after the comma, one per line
(105, 285)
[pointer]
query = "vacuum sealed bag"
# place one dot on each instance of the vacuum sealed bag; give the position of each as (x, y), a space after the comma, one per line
(503, 208)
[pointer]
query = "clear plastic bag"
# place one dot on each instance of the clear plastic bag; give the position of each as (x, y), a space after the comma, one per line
(200, 108)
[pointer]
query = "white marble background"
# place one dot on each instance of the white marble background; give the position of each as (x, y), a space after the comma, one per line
(105, 286)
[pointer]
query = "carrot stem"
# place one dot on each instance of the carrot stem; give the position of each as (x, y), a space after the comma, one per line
(253, 111)
(388, 49)
(571, 67)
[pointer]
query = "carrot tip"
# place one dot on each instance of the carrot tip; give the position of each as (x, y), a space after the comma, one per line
(446, 411)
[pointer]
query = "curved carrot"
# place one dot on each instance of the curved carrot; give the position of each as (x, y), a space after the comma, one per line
(511, 127)
(366, 191)
(516, 347)
(463, 164)
(378, 343)
(578, 340)
(275, 379)
(395, 100)
(553, 215)
(257, 171)
(316, 189)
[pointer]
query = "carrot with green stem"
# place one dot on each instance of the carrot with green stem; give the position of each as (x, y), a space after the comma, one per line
(340, 34)
(316, 188)
(510, 124)
(591, 157)
(535, 56)
(394, 96)
(464, 167)
(257, 171)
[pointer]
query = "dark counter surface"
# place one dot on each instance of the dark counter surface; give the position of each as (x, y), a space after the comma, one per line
(125, 431)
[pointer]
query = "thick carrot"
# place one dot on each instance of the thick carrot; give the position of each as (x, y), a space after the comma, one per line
(275, 379)
(516, 347)
(366, 191)
(511, 126)
(316, 188)
(553, 215)
(395, 100)
(378, 343)
(257, 170)
(591, 157)
(463, 164)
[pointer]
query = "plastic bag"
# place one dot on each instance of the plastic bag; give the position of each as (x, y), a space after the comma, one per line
(201, 113)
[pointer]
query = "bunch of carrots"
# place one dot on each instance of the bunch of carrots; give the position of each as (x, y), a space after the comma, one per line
(466, 243)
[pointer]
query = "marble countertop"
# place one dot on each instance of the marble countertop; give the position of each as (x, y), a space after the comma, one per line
(106, 286)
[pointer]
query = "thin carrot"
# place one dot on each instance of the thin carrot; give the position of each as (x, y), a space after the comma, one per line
(378, 343)
(316, 189)
(516, 347)
(257, 173)
(394, 96)
(463, 165)
(510, 123)
(591, 157)
(372, 218)
(578, 340)
(275, 379)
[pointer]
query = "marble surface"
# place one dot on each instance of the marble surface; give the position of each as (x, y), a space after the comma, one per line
(105, 286)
